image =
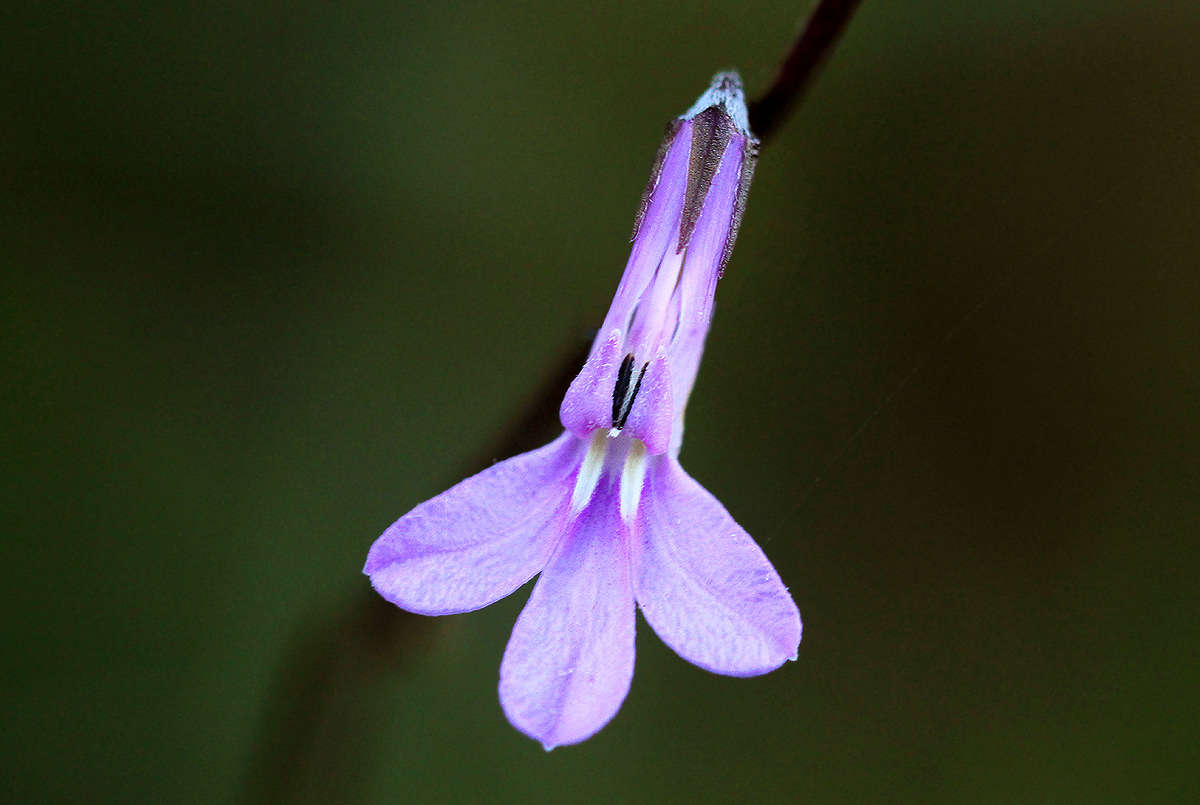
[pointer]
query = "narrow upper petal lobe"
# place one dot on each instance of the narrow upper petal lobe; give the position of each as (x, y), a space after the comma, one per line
(569, 662)
(704, 585)
(481, 539)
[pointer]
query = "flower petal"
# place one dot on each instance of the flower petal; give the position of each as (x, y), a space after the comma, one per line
(656, 225)
(569, 663)
(704, 585)
(588, 404)
(653, 413)
(481, 539)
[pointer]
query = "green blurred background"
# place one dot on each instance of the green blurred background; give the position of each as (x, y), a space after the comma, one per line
(274, 273)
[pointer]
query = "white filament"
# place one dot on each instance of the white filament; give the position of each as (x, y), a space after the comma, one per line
(633, 475)
(589, 472)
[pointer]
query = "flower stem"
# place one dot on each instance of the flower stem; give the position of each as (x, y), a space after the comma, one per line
(320, 719)
(808, 53)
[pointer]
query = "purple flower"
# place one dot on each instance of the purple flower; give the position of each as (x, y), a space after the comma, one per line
(605, 512)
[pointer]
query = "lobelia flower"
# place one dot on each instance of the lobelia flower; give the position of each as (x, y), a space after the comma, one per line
(605, 512)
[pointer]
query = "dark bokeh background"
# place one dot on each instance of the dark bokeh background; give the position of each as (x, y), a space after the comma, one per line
(274, 273)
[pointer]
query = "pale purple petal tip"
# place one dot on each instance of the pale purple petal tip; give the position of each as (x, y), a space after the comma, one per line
(703, 584)
(569, 663)
(654, 412)
(587, 404)
(481, 539)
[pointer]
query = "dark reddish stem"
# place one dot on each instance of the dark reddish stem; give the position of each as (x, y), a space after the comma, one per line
(808, 53)
(319, 723)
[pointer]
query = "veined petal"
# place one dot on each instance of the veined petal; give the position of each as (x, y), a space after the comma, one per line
(704, 585)
(653, 412)
(588, 403)
(569, 662)
(715, 224)
(481, 539)
(655, 227)
(710, 241)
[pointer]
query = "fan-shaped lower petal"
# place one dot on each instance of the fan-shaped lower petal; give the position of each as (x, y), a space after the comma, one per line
(481, 539)
(704, 585)
(569, 662)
